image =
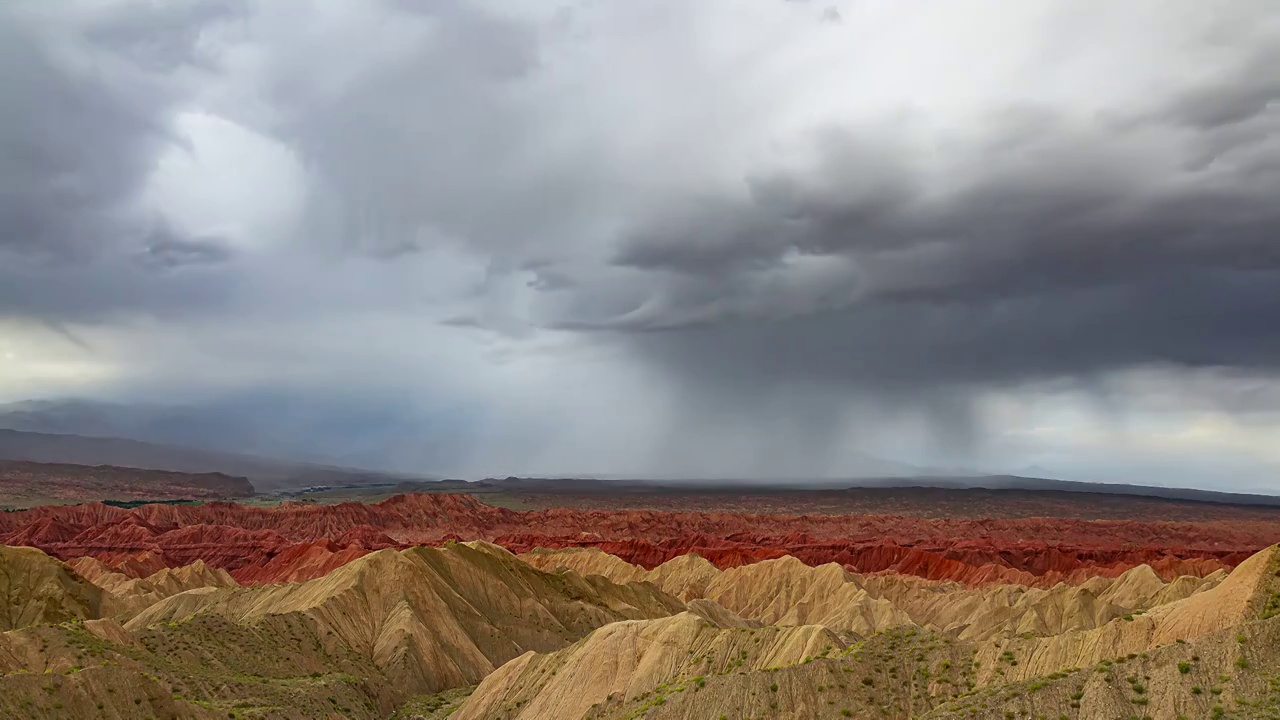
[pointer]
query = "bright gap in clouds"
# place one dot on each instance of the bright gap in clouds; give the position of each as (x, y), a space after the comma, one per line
(223, 180)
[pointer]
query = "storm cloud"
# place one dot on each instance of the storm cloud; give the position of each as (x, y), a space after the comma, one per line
(715, 238)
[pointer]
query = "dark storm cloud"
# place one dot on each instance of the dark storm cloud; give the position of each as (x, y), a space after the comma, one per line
(1055, 206)
(1201, 320)
(1062, 248)
(83, 120)
(75, 149)
(414, 144)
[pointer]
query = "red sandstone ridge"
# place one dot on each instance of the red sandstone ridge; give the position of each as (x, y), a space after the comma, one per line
(296, 542)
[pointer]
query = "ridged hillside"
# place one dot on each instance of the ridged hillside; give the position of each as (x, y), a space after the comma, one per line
(356, 643)
(38, 589)
(409, 632)
(428, 618)
(788, 592)
(1201, 650)
(294, 542)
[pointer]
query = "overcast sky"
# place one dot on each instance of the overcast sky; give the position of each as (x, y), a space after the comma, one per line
(680, 238)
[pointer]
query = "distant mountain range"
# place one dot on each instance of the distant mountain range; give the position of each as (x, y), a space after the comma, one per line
(252, 443)
(1019, 482)
(957, 482)
(265, 474)
(270, 475)
(379, 434)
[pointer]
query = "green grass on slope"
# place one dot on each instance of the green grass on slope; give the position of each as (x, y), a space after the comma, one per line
(898, 673)
(1231, 674)
(202, 668)
(433, 707)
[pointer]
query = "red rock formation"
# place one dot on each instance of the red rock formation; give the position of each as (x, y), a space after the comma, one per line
(134, 564)
(367, 537)
(296, 563)
(300, 541)
(43, 532)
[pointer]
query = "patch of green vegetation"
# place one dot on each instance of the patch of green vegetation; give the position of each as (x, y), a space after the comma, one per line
(433, 707)
(130, 504)
(1272, 606)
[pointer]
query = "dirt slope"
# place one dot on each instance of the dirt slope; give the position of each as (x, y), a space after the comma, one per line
(38, 589)
(633, 659)
(688, 667)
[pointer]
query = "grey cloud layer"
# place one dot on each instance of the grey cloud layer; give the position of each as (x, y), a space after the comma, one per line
(1065, 251)
(615, 175)
(90, 91)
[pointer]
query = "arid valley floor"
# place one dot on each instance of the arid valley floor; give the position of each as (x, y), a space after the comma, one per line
(659, 603)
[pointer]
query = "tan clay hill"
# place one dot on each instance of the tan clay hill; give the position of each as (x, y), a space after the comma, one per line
(407, 633)
(430, 618)
(1250, 592)
(788, 592)
(125, 596)
(636, 659)
(686, 576)
(1202, 651)
(38, 589)
(356, 643)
